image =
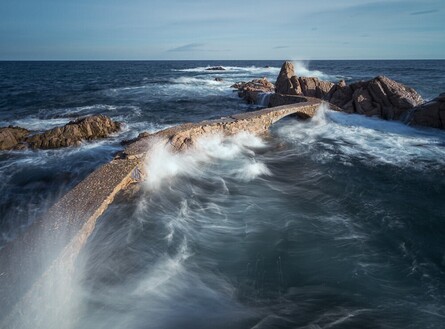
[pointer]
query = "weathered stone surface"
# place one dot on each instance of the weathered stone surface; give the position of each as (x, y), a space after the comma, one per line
(314, 87)
(73, 133)
(250, 90)
(287, 83)
(215, 68)
(11, 137)
(430, 114)
(380, 97)
(364, 103)
(280, 99)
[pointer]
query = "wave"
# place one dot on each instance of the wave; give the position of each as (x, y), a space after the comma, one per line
(233, 69)
(302, 70)
(349, 137)
(163, 165)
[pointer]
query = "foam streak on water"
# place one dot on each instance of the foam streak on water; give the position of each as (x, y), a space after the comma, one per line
(335, 222)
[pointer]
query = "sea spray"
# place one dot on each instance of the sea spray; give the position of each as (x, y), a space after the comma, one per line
(331, 135)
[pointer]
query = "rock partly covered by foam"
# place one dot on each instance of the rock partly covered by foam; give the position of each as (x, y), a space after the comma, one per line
(430, 114)
(73, 133)
(215, 68)
(11, 136)
(380, 97)
(250, 90)
(289, 84)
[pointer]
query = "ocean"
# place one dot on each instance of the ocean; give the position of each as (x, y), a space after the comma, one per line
(336, 222)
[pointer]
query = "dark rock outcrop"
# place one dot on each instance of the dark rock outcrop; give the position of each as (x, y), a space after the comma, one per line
(314, 87)
(250, 90)
(215, 68)
(11, 137)
(280, 99)
(287, 83)
(219, 79)
(380, 97)
(429, 114)
(73, 133)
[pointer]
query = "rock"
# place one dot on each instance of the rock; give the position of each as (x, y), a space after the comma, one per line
(364, 103)
(287, 83)
(380, 97)
(219, 79)
(430, 114)
(280, 99)
(267, 67)
(215, 68)
(73, 133)
(11, 137)
(250, 90)
(314, 87)
(340, 94)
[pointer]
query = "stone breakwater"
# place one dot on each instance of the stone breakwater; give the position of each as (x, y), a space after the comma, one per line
(54, 242)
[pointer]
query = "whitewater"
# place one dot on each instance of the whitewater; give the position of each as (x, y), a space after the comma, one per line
(335, 222)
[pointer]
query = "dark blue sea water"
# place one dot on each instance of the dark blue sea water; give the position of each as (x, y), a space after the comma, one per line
(338, 222)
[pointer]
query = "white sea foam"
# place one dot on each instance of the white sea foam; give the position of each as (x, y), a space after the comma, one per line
(302, 70)
(36, 124)
(348, 137)
(234, 69)
(162, 164)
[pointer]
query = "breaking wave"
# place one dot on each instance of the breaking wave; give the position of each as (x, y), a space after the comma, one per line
(349, 137)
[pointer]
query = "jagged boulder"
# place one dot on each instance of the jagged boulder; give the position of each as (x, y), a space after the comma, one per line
(314, 87)
(429, 114)
(73, 133)
(287, 83)
(380, 97)
(11, 137)
(250, 90)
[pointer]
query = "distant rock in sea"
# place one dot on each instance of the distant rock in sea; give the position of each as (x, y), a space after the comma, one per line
(215, 68)
(72, 134)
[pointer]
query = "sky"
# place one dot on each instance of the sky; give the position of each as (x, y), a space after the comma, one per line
(221, 30)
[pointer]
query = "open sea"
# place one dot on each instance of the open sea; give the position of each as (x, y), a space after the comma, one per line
(336, 222)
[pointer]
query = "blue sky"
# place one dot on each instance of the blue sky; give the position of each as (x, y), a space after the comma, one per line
(230, 29)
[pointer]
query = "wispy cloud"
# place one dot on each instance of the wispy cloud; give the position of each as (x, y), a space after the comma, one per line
(425, 12)
(188, 47)
(281, 47)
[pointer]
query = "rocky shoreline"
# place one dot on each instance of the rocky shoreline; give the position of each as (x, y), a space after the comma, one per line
(380, 97)
(71, 134)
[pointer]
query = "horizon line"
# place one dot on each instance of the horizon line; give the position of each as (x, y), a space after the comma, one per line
(216, 60)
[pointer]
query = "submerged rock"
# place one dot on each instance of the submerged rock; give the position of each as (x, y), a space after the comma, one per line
(219, 79)
(11, 137)
(73, 133)
(429, 114)
(215, 68)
